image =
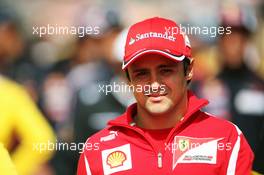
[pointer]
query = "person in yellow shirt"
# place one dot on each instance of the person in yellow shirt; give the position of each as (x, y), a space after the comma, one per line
(6, 165)
(19, 116)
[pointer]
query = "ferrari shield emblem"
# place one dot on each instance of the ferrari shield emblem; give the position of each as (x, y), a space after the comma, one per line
(183, 144)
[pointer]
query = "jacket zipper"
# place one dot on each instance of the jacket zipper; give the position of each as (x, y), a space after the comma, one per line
(159, 160)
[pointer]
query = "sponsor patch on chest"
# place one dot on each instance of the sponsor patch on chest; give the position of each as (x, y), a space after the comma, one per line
(194, 150)
(116, 159)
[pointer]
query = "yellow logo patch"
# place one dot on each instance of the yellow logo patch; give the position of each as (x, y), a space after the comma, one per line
(116, 159)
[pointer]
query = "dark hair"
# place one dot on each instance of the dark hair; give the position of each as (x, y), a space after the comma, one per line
(186, 63)
(127, 74)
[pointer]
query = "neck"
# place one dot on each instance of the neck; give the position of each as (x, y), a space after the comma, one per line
(165, 120)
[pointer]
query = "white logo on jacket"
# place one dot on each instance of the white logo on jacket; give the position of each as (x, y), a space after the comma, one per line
(112, 135)
(194, 150)
(116, 159)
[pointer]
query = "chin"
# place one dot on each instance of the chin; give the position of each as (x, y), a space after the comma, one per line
(158, 108)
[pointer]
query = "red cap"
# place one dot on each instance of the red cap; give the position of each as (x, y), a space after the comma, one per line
(156, 35)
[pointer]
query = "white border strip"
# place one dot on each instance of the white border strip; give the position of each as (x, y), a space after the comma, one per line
(177, 58)
(87, 167)
(231, 169)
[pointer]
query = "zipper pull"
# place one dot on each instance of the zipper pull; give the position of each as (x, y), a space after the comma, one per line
(159, 160)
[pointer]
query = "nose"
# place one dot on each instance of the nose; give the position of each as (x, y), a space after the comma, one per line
(155, 85)
(155, 81)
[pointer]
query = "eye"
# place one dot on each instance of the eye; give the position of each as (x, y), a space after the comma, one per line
(141, 74)
(166, 71)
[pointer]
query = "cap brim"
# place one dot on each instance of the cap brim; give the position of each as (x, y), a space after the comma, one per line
(160, 52)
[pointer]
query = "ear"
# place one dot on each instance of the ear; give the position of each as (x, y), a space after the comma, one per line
(128, 80)
(189, 75)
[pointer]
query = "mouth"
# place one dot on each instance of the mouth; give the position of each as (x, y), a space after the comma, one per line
(156, 97)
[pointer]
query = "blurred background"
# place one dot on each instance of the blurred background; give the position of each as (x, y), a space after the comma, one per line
(49, 84)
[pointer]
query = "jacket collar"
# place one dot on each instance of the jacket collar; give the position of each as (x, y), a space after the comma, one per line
(126, 119)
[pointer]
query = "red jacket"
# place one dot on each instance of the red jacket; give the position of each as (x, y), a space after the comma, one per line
(200, 144)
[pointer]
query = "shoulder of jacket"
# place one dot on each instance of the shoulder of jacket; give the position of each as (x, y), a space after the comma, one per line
(98, 135)
(224, 124)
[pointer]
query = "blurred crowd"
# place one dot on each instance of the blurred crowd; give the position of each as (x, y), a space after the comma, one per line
(49, 85)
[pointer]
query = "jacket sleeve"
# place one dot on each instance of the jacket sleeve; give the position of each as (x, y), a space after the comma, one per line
(241, 156)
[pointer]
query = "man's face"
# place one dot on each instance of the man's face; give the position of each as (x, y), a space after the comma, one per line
(166, 79)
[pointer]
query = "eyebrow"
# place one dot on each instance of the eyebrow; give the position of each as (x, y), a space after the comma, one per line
(166, 66)
(139, 70)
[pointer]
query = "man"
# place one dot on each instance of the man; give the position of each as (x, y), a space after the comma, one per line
(165, 132)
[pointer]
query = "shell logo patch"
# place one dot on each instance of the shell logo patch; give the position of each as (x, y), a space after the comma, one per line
(116, 159)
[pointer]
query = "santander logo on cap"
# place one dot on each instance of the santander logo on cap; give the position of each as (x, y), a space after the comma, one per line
(156, 35)
(151, 35)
